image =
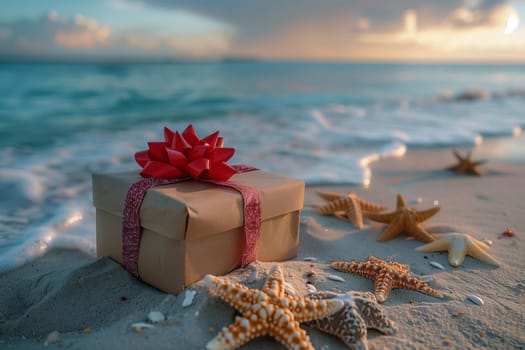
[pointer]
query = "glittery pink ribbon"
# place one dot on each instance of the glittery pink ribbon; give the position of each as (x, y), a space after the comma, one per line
(131, 218)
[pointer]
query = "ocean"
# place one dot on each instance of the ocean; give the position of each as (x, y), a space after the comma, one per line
(321, 122)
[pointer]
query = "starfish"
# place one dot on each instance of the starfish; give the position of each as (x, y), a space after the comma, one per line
(404, 219)
(267, 311)
(459, 245)
(387, 275)
(347, 207)
(361, 311)
(465, 165)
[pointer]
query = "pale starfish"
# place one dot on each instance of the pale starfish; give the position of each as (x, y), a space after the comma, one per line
(361, 311)
(458, 246)
(404, 219)
(387, 275)
(267, 311)
(465, 164)
(346, 207)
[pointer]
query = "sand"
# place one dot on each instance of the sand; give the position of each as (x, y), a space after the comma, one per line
(92, 302)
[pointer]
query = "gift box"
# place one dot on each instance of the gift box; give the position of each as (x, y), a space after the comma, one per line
(192, 228)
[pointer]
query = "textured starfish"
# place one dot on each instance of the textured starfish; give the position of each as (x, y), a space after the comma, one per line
(361, 311)
(465, 164)
(458, 246)
(387, 275)
(346, 207)
(267, 311)
(404, 219)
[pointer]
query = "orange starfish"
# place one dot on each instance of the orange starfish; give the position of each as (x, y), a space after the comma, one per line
(387, 275)
(347, 207)
(267, 311)
(404, 219)
(465, 164)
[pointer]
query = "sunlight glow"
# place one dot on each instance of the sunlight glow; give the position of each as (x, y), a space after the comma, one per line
(74, 218)
(410, 19)
(512, 24)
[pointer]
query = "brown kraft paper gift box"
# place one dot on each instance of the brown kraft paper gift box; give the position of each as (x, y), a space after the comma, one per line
(191, 228)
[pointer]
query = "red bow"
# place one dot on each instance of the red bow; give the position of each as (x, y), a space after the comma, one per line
(185, 154)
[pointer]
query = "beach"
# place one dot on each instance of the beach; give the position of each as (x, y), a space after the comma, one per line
(93, 302)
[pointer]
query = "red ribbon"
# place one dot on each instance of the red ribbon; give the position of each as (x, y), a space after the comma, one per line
(203, 159)
(186, 155)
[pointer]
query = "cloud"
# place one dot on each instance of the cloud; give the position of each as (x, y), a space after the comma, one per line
(282, 29)
(473, 14)
(332, 29)
(86, 33)
(51, 33)
(79, 37)
(471, 31)
(410, 19)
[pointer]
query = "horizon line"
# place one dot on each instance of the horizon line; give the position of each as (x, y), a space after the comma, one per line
(236, 59)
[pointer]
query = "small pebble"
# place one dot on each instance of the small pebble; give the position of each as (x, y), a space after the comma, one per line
(252, 278)
(508, 233)
(437, 265)
(426, 278)
(335, 278)
(435, 202)
(457, 314)
(188, 297)
(86, 331)
(156, 316)
(53, 338)
(476, 300)
(488, 242)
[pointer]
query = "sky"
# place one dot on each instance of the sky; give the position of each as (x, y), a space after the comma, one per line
(327, 30)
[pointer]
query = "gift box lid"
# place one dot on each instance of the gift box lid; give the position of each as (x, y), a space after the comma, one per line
(190, 210)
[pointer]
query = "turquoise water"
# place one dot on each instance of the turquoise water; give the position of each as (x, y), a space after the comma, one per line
(322, 122)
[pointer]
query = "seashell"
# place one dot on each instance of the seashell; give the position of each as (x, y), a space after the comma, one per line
(289, 289)
(435, 202)
(252, 278)
(141, 325)
(311, 288)
(335, 278)
(53, 338)
(188, 298)
(310, 258)
(437, 265)
(156, 316)
(476, 300)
